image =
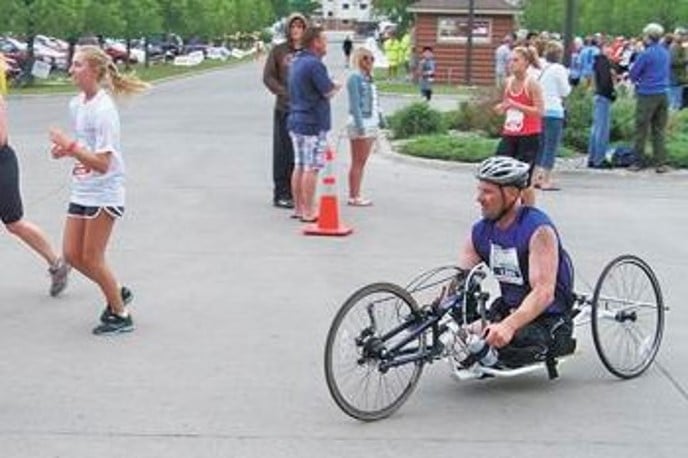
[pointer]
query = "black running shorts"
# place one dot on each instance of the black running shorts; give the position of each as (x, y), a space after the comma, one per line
(11, 208)
(84, 212)
(522, 147)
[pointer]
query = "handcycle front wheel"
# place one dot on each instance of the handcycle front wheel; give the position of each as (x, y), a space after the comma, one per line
(356, 382)
(627, 316)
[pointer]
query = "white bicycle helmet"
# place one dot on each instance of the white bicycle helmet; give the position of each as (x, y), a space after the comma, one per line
(504, 171)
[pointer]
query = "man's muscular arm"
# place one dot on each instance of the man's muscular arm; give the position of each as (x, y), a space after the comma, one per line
(543, 264)
(468, 257)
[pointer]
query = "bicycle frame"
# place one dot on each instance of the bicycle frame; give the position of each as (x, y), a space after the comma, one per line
(426, 318)
(431, 318)
(383, 326)
(398, 355)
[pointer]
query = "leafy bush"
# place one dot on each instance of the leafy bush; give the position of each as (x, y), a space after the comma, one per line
(465, 148)
(477, 116)
(416, 119)
(579, 108)
(477, 113)
(578, 119)
(623, 119)
(677, 139)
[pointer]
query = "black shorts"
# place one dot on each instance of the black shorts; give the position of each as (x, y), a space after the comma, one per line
(548, 334)
(11, 208)
(85, 212)
(522, 147)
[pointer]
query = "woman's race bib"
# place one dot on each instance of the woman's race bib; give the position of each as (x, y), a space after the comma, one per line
(514, 120)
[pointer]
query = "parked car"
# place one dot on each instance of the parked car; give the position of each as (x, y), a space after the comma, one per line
(58, 59)
(12, 69)
(170, 43)
(41, 52)
(155, 52)
(13, 51)
(195, 44)
(118, 52)
(52, 42)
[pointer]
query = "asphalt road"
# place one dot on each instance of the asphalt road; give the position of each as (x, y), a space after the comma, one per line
(233, 304)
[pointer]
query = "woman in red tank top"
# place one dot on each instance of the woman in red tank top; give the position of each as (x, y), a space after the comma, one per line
(523, 107)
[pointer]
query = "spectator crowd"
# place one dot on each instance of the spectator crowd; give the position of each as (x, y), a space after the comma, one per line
(653, 68)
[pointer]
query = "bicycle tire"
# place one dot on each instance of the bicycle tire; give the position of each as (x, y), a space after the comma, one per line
(399, 303)
(641, 294)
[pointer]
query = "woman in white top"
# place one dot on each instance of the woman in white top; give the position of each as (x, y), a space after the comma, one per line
(97, 193)
(554, 80)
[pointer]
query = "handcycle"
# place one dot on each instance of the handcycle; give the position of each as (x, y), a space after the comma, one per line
(381, 338)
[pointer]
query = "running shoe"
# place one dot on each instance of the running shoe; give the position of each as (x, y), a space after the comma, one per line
(114, 324)
(127, 297)
(59, 272)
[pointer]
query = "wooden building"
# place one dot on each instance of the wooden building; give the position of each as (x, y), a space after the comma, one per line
(443, 25)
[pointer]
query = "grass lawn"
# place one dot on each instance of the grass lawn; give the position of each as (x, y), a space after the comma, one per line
(402, 86)
(155, 72)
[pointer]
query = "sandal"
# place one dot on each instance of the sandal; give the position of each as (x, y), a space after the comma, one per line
(359, 202)
(311, 219)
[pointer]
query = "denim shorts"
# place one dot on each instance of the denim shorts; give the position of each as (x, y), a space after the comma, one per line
(370, 129)
(309, 150)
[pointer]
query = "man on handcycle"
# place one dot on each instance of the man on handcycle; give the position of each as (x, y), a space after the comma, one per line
(520, 244)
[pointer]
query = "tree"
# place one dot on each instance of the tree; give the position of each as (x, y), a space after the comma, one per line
(306, 7)
(396, 11)
(174, 13)
(140, 17)
(611, 17)
(104, 18)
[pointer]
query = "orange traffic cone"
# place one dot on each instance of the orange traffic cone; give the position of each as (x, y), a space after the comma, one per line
(328, 214)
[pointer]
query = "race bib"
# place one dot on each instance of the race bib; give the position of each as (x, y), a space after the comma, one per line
(80, 171)
(514, 120)
(504, 265)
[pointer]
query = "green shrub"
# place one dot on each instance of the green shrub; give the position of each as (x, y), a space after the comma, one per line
(579, 109)
(623, 119)
(578, 119)
(677, 139)
(416, 119)
(478, 114)
(465, 148)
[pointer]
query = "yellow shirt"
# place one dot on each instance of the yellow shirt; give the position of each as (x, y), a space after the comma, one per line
(3, 74)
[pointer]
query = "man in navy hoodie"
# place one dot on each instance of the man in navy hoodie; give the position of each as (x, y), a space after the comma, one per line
(650, 74)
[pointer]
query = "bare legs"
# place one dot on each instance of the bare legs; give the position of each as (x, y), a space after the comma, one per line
(85, 241)
(303, 183)
(360, 151)
(35, 238)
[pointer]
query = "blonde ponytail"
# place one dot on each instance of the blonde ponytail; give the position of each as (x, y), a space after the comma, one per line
(118, 83)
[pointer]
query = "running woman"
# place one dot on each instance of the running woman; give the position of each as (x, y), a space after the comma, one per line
(97, 196)
(12, 211)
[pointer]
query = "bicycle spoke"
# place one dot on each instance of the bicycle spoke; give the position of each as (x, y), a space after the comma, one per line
(362, 389)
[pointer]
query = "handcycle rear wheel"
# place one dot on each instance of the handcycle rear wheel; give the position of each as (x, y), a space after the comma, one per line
(627, 316)
(357, 384)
